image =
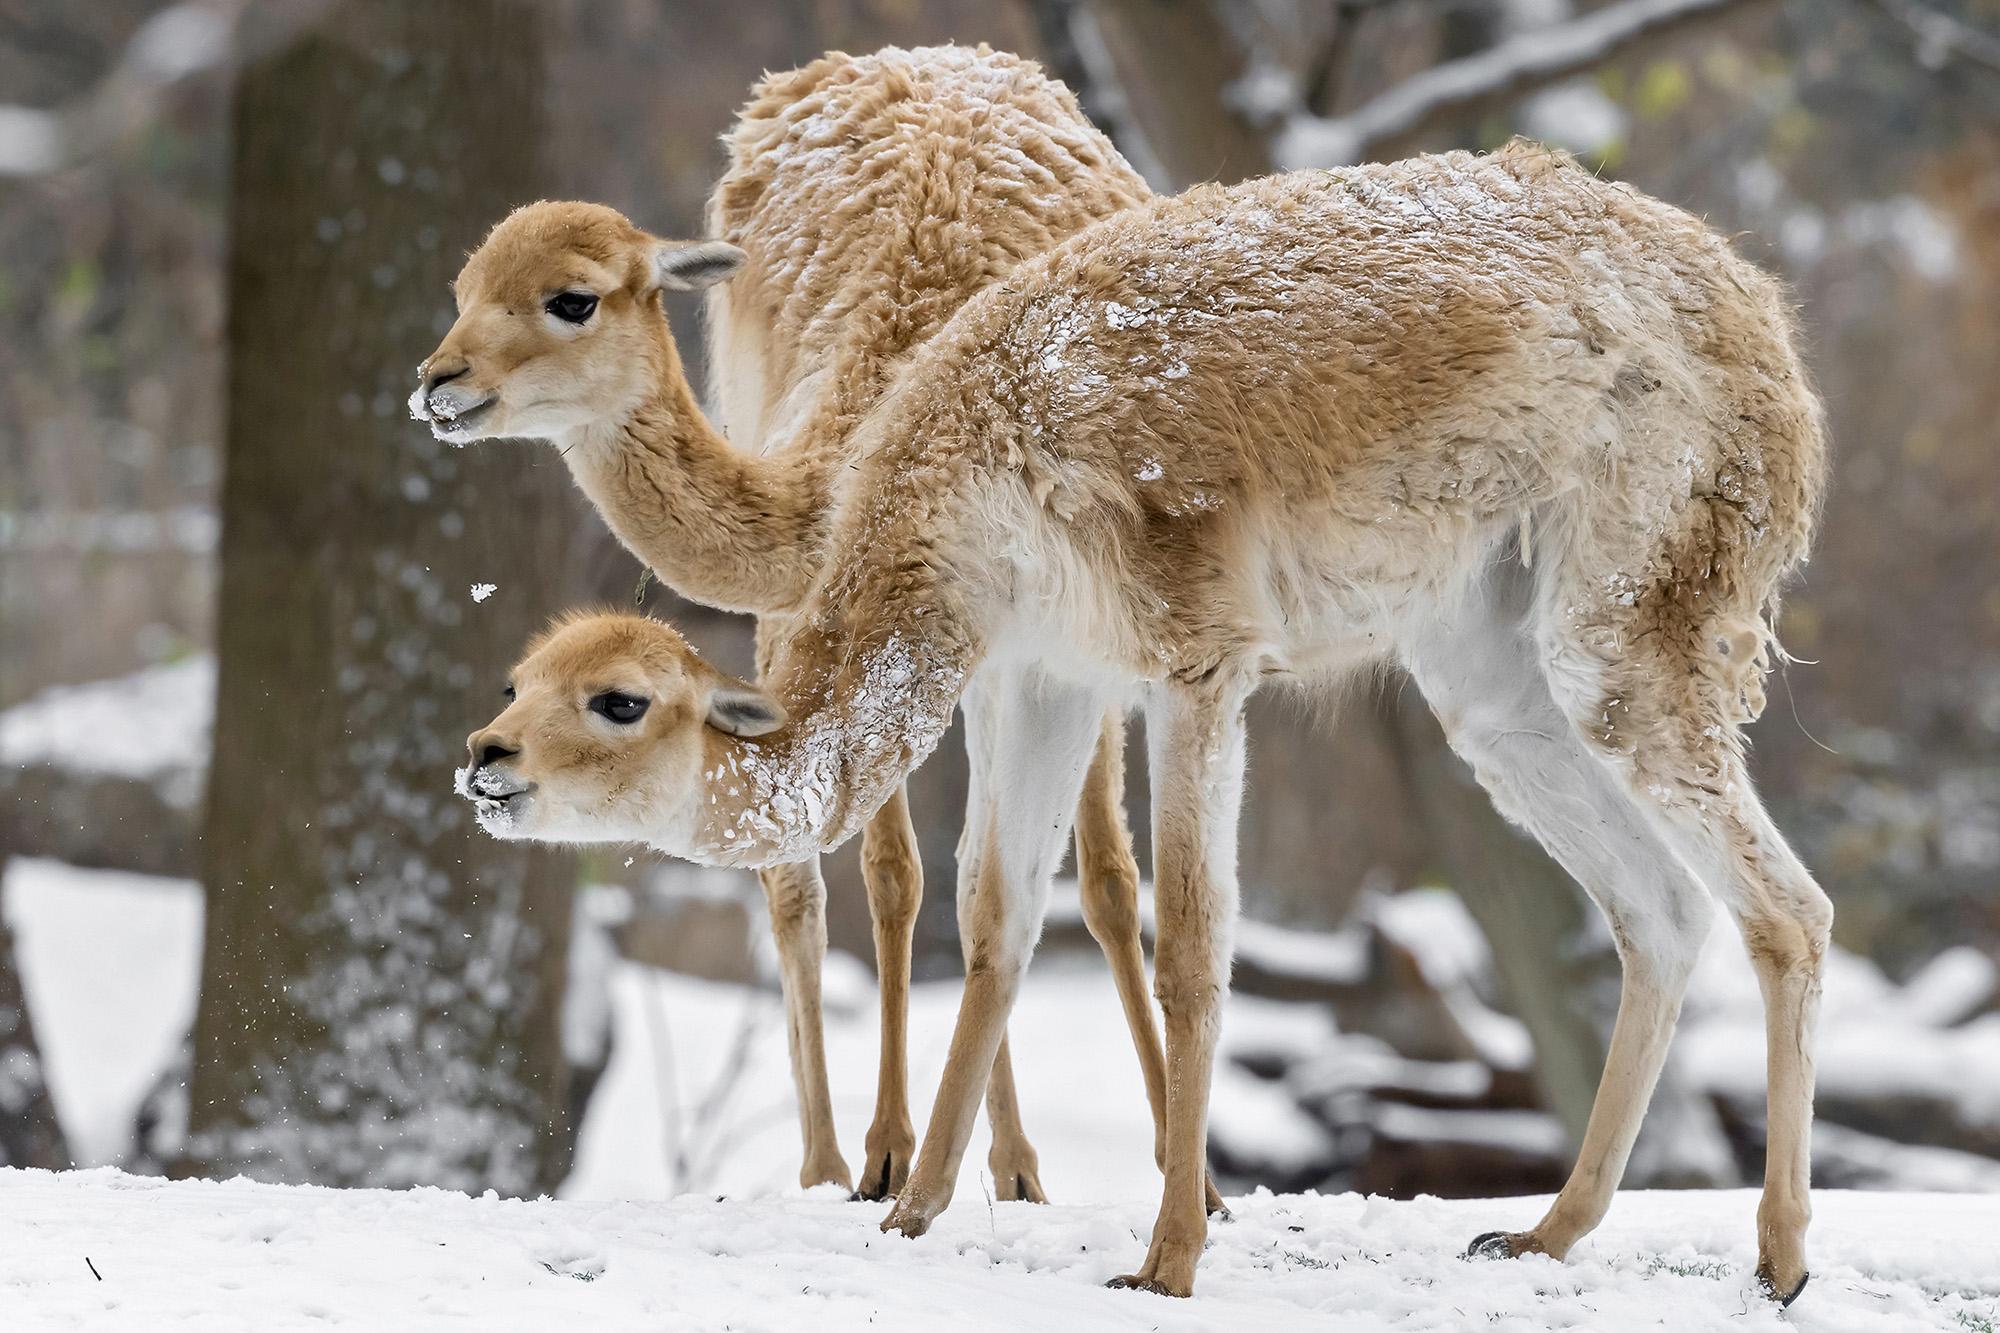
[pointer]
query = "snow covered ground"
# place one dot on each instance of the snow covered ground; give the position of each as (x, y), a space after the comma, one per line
(99, 1249)
(698, 1095)
(697, 1104)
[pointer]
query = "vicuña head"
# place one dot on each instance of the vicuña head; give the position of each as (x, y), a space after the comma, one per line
(604, 734)
(559, 324)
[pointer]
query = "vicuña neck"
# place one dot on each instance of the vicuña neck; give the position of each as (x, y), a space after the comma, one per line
(719, 526)
(870, 675)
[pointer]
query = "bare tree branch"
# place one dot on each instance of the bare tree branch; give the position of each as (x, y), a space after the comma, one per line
(179, 43)
(1940, 36)
(1174, 65)
(1075, 51)
(1500, 74)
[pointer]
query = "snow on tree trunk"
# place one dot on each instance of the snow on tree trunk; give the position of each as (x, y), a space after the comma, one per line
(381, 981)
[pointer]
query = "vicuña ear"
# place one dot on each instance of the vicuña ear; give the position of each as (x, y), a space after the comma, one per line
(684, 266)
(743, 710)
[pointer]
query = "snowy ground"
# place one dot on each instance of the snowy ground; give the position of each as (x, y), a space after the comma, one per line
(698, 1095)
(697, 1103)
(238, 1255)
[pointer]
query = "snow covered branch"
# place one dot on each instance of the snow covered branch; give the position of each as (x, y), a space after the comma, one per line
(1940, 36)
(1514, 67)
(1078, 55)
(180, 42)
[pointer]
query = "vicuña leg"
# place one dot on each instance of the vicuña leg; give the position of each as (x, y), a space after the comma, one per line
(1108, 883)
(1026, 778)
(797, 898)
(1482, 677)
(1195, 741)
(1012, 1160)
(895, 880)
(1786, 923)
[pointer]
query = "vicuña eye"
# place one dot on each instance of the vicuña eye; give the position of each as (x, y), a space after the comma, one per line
(571, 307)
(507, 690)
(619, 707)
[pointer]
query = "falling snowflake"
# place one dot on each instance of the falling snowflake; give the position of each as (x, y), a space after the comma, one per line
(482, 591)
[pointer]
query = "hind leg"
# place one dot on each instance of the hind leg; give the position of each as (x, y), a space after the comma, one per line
(1786, 922)
(1481, 675)
(1012, 1159)
(1107, 876)
(1194, 732)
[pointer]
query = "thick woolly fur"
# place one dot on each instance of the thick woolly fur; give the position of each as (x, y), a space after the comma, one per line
(1280, 427)
(871, 197)
(1540, 438)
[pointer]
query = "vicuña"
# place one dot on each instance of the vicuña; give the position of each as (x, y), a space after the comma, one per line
(866, 199)
(1541, 439)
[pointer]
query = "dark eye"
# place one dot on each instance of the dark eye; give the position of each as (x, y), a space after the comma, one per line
(507, 690)
(619, 707)
(571, 307)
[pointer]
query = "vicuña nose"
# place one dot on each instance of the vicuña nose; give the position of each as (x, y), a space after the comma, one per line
(486, 748)
(437, 376)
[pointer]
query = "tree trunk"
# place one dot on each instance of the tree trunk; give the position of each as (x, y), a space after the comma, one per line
(29, 1133)
(381, 981)
(1183, 109)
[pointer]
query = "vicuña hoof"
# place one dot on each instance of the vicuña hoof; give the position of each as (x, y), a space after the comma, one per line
(826, 1173)
(1022, 1187)
(1494, 1245)
(1771, 1289)
(912, 1222)
(882, 1180)
(1134, 1282)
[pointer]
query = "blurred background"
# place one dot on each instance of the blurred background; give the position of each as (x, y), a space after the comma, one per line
(247, 929)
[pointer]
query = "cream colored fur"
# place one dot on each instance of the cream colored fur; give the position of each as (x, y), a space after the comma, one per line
(1542, 439)
(866, 199)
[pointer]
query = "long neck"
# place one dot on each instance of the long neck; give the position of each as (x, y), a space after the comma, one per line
(718, 525)
(870, 674)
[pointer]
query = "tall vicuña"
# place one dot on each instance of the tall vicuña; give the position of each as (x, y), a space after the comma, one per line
(1541, 438)
(866, 199)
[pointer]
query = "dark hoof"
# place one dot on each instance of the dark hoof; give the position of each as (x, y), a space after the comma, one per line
(1770, 1289)
(1492, 1245)
(1133, 1282)
(1220, 1213)
(1021, 1187)
(876, 1189)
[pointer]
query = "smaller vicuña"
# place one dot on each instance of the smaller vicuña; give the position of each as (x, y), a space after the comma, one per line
(605, 725)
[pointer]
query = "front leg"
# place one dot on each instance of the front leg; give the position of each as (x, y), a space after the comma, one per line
(1029, 741)
(895, 880)
(1195, 733)
(797, 898)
